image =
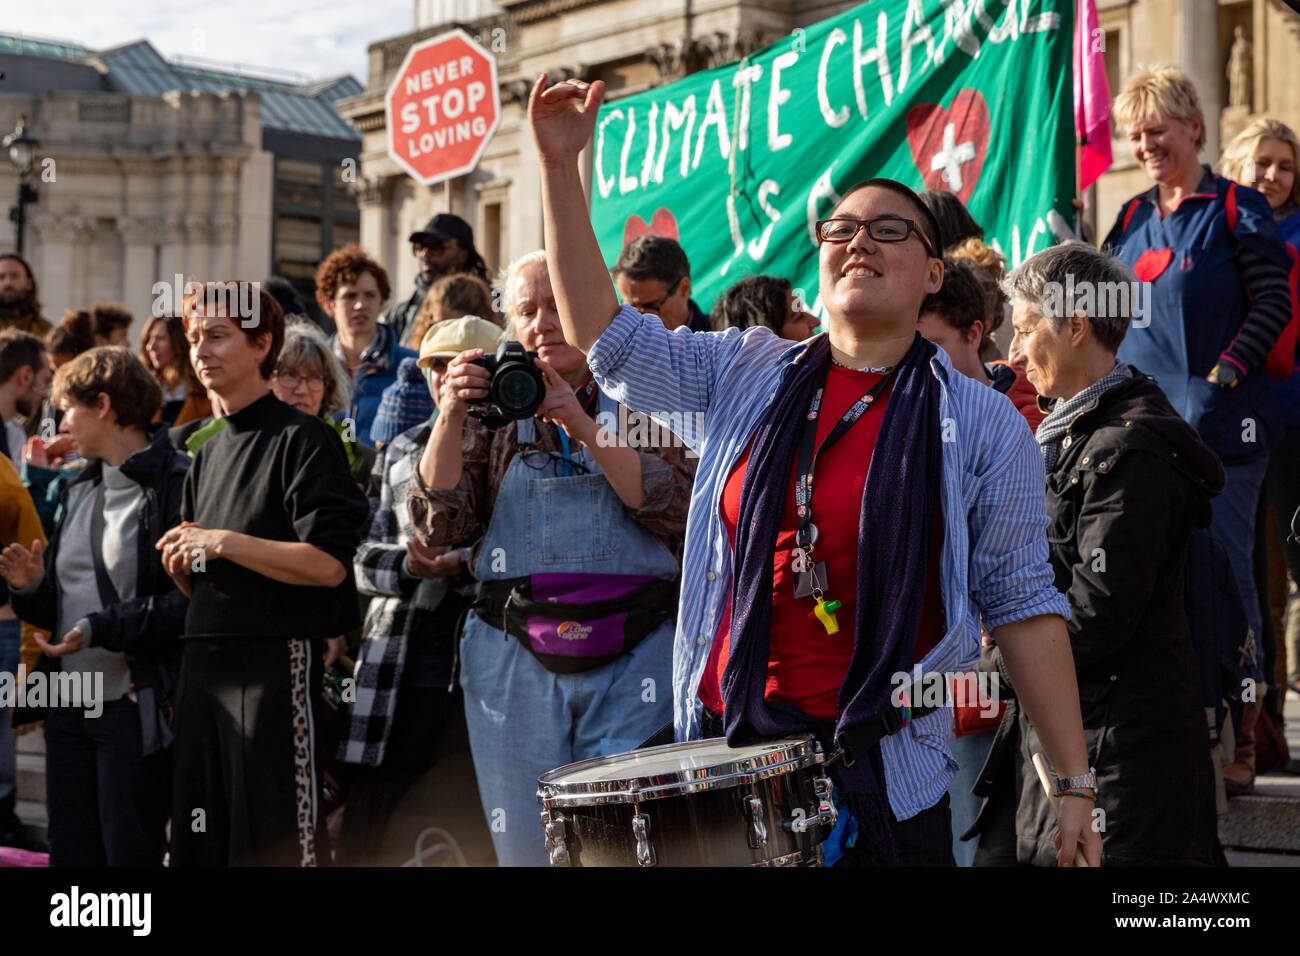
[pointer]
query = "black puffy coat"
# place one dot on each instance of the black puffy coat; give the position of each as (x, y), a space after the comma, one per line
(146, 627)
(1131, 482)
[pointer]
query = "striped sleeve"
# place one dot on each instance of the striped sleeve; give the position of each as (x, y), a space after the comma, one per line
(1011, 573)
(1270, 300)
(669, 375)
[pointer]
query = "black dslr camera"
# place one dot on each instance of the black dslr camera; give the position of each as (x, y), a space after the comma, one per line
(516, 389)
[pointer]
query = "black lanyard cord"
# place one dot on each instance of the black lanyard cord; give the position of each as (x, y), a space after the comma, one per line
(809, 450)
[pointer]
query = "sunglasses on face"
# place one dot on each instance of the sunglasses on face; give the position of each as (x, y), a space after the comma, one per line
(881, 229)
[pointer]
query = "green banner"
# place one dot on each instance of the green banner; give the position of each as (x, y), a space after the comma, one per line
(738, 162)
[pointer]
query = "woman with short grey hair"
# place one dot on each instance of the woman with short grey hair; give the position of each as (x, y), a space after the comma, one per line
(1127, 479)
(310, 377)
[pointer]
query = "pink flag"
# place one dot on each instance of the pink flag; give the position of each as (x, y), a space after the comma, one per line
(1091, 96)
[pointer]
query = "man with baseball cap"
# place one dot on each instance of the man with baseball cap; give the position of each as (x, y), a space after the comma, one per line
(406, 736)
(443, 247)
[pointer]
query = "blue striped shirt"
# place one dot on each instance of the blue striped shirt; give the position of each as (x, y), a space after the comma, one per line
(994, 565)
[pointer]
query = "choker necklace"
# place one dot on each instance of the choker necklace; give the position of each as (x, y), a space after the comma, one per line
(880, 370)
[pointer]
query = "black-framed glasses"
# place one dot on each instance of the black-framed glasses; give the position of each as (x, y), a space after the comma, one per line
(880, 229)
(657, 304)
(432, 245)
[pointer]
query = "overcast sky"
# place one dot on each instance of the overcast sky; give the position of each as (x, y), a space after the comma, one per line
(313, 37)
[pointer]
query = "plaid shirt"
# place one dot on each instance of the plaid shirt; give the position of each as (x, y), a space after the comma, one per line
(462, 514)
(392, 617)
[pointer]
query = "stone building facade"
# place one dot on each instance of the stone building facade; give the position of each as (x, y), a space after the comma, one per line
(149, 168)
(111, 222)
(1197, 36)
(633, 45)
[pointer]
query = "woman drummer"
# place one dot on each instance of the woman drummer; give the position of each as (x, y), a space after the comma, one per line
(562, 511)
(813, 620)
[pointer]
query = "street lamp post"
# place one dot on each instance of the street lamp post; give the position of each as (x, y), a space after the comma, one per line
(22, 153)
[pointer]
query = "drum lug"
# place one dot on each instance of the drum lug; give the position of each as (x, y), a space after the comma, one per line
(826, 813)
(556, 850)
(645, 851)
(757, 828)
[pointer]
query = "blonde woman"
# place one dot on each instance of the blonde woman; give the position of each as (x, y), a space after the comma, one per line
(1216, 273)
(1265, 155)
(452, 297)
(579, 514)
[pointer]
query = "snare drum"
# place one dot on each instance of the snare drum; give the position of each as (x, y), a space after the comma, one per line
(693, 804)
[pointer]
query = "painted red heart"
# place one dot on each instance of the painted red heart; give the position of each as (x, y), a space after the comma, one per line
(662, 223)
(1151, 263)
(948, 145)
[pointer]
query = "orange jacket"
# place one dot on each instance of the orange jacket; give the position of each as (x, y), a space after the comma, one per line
(19, 524)
(1024, 397)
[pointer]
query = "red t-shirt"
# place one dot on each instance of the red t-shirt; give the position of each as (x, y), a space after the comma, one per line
(806, 666)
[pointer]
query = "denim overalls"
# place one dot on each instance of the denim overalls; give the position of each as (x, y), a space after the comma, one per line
(524, 720)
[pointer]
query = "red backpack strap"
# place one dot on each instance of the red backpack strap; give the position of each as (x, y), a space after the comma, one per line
(1128, 214)
(1230, 206)
(1282, 357)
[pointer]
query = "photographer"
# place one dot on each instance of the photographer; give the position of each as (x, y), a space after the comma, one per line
(569, 515)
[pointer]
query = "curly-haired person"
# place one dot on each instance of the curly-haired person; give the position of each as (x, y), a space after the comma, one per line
(352, 289)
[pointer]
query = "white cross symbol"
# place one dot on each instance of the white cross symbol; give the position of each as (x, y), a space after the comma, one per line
(950, 158)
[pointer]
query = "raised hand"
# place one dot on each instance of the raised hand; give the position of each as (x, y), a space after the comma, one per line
(21, 567)
(563, 117)
(34, 452)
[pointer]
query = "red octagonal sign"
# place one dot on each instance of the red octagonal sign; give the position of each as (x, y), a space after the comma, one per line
(442, 107)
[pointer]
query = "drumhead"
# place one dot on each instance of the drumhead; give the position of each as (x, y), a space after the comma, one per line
(673, 769)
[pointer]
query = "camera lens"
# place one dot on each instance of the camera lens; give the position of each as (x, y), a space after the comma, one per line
(518, 390)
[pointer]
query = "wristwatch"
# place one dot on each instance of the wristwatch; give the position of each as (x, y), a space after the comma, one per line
(1224, 374)
(1088, 779)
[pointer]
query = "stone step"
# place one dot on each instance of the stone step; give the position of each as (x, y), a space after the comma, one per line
(31, 777)
(1251, 858)
(33, 742)
(1268, 819)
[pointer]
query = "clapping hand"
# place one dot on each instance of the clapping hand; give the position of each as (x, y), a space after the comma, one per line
(21, 567)
(431, 561)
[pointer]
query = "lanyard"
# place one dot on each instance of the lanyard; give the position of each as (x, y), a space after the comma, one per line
(589, 395)
(589, 399)
(809, 449)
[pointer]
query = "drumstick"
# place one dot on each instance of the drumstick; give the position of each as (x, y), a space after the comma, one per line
(1041, 766)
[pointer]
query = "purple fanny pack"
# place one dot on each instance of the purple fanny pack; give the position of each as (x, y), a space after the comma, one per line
(577, 622)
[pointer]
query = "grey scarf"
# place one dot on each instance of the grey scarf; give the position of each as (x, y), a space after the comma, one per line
(1052, 430)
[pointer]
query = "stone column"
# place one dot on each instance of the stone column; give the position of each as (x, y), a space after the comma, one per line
(224, 230)
(171, 252)
(375, 224)
(61, 280)
(225, 220)
(140, 236)
(200, 242)
(1196, 48)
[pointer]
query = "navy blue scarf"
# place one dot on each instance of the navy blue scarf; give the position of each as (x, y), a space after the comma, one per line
(894, 533)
